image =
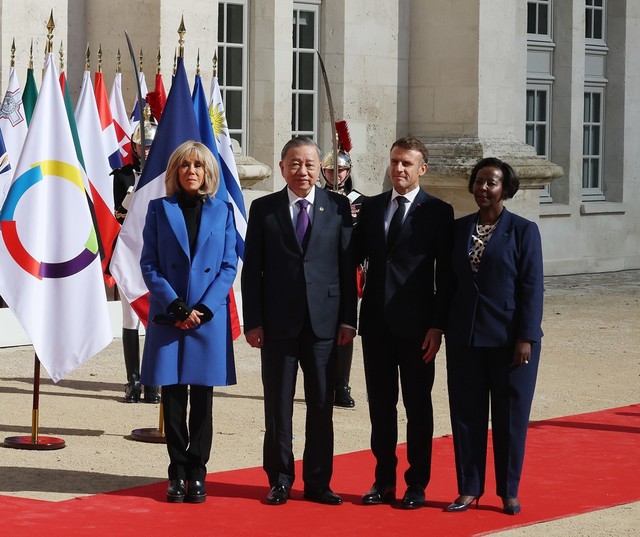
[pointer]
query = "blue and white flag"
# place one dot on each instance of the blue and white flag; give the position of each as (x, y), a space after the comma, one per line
(228, 170)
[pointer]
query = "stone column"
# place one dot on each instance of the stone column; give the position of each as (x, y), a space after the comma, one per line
(270, 93)
(467, 77)
(365, 45)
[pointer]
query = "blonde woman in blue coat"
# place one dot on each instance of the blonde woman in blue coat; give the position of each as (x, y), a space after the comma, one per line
(493, 335)
(189, 263)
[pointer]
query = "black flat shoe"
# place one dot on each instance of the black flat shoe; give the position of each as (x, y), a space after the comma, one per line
(414, 497)
(510, 508)
(326, 497)
(278, 495)
(176, 491)
(379, 495)
(196, 492)
(132, 392)
(459, 505)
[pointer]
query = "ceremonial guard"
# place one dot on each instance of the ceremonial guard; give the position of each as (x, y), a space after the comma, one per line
(344, 186)
(124, 181)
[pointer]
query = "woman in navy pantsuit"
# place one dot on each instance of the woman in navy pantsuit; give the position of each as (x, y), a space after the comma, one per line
(189, 263)
(493, 335)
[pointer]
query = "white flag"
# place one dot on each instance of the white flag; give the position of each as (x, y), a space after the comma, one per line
(121, 120)
(13, 121)
(50, 273)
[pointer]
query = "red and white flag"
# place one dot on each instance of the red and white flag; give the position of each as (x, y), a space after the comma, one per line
(97, 167)
(121, 121)
(109, 137)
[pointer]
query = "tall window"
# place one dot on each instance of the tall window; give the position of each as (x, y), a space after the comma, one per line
(594, 20)
(593, 142)
(537, 121)
(232, 65)
(540, 47)
(539, 19)
(304, 114)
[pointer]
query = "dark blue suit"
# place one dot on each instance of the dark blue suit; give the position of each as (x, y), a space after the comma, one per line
(405, 295)
(299, 298)
(490, 311)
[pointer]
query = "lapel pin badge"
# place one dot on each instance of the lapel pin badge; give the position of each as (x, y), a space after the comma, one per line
(321, 208)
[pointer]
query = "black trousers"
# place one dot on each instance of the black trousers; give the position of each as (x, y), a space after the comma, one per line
(387, 358)
(479, 378)
(280, 359)
(188, 441)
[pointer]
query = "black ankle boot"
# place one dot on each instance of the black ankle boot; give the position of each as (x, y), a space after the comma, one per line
(151, 395)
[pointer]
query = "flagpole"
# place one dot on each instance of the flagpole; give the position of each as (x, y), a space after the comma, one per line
(152, 435)
(34, 441)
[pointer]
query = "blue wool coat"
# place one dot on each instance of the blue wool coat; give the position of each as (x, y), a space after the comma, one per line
(204, 355)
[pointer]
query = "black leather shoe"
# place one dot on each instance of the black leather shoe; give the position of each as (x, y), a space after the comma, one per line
(343, 397)
(196, 492)
(326, 496)
(176, 491)
(151, 395)
(414, 497)
(278, 495)
(378, 495)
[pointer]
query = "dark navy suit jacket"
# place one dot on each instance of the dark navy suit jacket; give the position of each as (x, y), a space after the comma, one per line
(406, 290)
(280, 282)
(502, 302)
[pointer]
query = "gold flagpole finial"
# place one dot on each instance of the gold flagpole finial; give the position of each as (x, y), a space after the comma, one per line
(100, 58)
(159, 58)
(13, 52)
(175, 60)
(181, 31)
(198, 63)
(31, 55)
(215, 64)
(87, 59)
(50, 27)
(118, 59)
(140, 61)
(61, 56)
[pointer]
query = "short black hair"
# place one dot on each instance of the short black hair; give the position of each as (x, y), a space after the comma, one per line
(510, 182)
(298, 141)
(411, 142)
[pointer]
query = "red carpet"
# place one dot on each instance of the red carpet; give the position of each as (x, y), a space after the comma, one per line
(574, 465)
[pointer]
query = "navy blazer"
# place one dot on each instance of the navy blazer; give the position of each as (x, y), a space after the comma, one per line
(502, 302)
(281, 282)
(406, 289)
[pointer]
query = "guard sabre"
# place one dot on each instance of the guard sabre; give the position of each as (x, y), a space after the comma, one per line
(143, 130)
(332, 117)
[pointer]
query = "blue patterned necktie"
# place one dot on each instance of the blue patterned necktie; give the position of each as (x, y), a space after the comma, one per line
(303, 224)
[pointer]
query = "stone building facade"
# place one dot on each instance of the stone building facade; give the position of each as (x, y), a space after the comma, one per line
(552, 86)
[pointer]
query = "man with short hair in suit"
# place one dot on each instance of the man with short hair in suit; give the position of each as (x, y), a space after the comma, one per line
(406, 236)
(299, 299)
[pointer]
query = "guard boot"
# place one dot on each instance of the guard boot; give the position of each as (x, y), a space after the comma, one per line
(343, 371)
(131, 348)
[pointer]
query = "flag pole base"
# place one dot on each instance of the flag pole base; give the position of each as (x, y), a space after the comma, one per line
(40, 443)
(150, 435)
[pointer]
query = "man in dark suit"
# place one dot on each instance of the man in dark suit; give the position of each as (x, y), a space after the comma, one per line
(299, 299)
(406, 236)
